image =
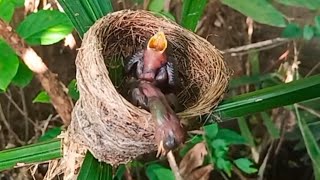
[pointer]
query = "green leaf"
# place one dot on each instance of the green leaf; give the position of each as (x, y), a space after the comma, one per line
(310, 4)
(308, 32)
(6, 10)
(73, 90)
(42, 97)
(33, 153)
(244, 164)
(9, 64)
(18, 3)
(189, 144)
(93, 169)
(50, 134)
(272, 129)
(230, 137)
(120, 172)
(259, 10)
(211, 130)
(165, 15)
(84, 13)
(292, 30)
(254, 62)
(158, 172)
(313, 148)
(224, 165)
(191, 13)
(254, 79)
(317, 22)
(23, 77)
(245, 131)
(156, 5)
(45, 27)
(220, 148)
(271, 97)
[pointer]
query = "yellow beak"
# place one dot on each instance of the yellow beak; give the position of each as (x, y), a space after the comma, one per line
(158, 42)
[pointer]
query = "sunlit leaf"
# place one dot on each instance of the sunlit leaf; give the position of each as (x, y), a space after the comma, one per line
(6, 10)
(42, 97)
(23, 77)
(191, 13)
(224, 165)
(244, 164)
(311, 4)
(9, 64)
(211, 130)
(156, 5)
(259, 10)
(45, 27)
(230, 137)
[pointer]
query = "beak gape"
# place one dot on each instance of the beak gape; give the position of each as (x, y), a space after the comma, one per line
(158, 42)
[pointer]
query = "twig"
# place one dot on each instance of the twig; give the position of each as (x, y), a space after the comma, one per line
(262, 45)
(174, 166)
(313, 69)
(311, 111)
(5, 122)
(25, 110)
(49, 81)
(19, 109)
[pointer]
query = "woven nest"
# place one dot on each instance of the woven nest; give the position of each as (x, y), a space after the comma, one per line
(113, 129)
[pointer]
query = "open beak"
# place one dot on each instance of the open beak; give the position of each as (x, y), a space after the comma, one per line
(158, 42)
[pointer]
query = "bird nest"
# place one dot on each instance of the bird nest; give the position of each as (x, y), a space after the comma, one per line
(107, 124)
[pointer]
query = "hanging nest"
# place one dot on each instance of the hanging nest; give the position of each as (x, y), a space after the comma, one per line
(113, 129)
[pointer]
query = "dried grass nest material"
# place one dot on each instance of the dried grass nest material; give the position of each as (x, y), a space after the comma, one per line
(114, 130)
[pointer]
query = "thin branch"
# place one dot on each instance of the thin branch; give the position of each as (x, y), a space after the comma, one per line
(263, 45)
(7, 125)
(19, 109)
(309, 110)
(25, 110)
(49, 81)
(174, 166)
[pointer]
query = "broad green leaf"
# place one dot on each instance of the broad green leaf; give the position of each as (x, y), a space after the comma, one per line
(313, 148)
(244, 164)
(259, 10)
(84, 13)
(308, 32)
(245, 131)
(23, 77)
(45, 27)
(224, 165)
(292, 30)
(6, 10)
(211, 130)
(93, 169)
(73, 90)
(18, 3)
(192, 12)
(42, 97)
(38, 152)
(270, 97)
(156, 5)
(230, 137)
(50, 134)
(310, 4)
(9, 64)
(272, 129)
(158, 172)
(120, 172)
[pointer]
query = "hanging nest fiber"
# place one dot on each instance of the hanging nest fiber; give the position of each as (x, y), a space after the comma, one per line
(113, 129)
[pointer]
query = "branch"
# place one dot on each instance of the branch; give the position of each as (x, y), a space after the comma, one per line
(49, 81)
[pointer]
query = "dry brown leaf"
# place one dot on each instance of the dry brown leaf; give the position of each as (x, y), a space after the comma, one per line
(193, 159)
(201, 173)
